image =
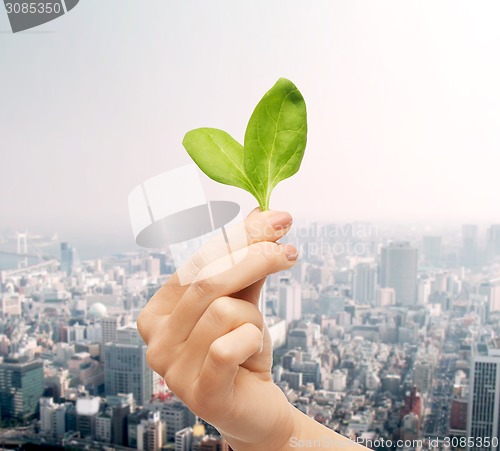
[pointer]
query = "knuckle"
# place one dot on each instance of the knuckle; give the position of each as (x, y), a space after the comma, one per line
(157, 358)
(204, 287)
(220, 354)
(255, 333)
(143, 324)
(234, 312)
(256, 319)
(222, 310)
(253, 229)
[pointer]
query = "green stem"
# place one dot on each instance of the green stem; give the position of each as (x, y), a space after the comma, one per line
(264, 204)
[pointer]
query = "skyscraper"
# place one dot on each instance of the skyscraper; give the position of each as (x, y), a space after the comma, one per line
(126, 370)
(151, 433)
(175, 414)
(46, 408)
(493, 241)
(122, 405)
(52, 417)
(290, 300)
(69, 259)
(210, 443)
(484, 395)
(87, 410)
(364, 283)
(491, 289)
(398, 270)
(183, 439)
(109, 326)
(469, 245)
(21, 386)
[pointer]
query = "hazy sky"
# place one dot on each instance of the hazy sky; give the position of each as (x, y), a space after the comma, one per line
(403, 105)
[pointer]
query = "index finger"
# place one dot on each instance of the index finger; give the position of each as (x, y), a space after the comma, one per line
(258, 226)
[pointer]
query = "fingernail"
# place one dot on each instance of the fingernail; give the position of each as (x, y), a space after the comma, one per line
(291, 252)
(279, 219)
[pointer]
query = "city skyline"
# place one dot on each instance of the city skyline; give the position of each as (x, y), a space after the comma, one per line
(375, 336)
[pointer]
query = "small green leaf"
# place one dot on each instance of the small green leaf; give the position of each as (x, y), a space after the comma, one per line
(275, 138)
(219, 156)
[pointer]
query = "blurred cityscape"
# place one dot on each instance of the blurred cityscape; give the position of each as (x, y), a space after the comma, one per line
(388, 335)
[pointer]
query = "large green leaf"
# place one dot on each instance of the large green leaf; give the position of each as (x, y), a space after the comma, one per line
(218, 155)
(275, 138)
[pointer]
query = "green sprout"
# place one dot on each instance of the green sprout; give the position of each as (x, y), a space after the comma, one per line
(275, 140)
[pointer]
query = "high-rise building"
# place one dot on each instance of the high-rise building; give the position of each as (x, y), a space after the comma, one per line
(299, 338)
(483, 414)
(183, 439)
(493, 241)
(364, 283)
(87, 410)
(109, 326)
(52, 417)
(432, 249)
(56, 381)
(70, 418)
(46, 407)
(126, 371)
(133, 421)
(311, 372)
(491, 289)
(151, 433)
(290, 300)
(422, 375)
(423, 291)
(59, 420)
(391, 383)
(175, 414)
(88, 371)
(294, 379)
(21, 387)
(210, 443)
(103, 426)
(413, 404)
(121, 406)
(385, 297)
(458, 414)
(470, 245)
(129, 335)
(69, 259)
(398, 270)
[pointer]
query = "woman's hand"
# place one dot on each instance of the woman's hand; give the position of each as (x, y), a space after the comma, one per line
(209, 342)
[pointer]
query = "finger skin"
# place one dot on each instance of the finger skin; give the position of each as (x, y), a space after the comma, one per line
(224, 357)
(252, 292)
(222, 316)
(262, 259)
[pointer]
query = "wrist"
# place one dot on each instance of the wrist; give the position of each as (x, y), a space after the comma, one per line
(276, 439)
